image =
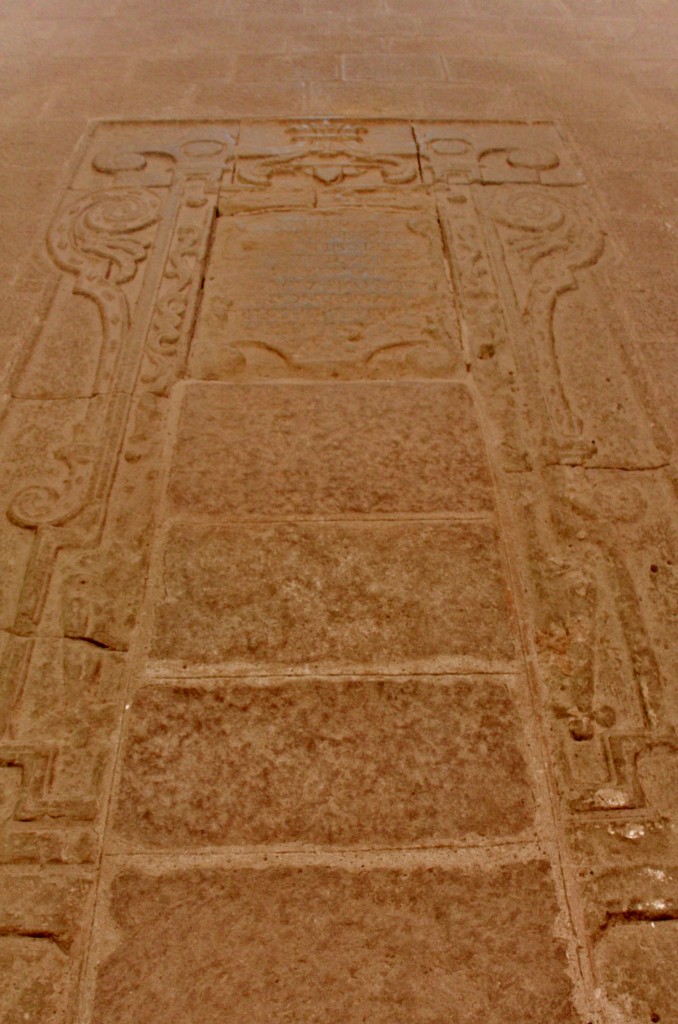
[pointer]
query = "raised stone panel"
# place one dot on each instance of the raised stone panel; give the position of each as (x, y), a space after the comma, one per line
(155, 153)
(389, 945)
(349, 292)
(342, 762)
(397, 597)
(285, 450)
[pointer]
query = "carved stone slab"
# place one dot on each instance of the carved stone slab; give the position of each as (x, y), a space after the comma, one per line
(346, 408)
(395, 944)
(339, 596)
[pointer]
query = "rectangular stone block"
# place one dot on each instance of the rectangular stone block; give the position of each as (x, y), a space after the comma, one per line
(357, 596)
(404, 761)
(277, 450)
(639, 961)
(326, 293)
(318, 944)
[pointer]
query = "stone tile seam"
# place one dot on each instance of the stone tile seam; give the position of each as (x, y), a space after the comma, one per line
(372, 858)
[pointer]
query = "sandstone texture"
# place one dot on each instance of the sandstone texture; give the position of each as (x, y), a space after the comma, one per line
(322, 292)
(334, 595)
(319, 943)
(339, 519)
(286, 450)
(323, 762)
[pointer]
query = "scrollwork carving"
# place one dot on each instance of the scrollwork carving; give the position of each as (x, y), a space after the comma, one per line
(101, 226)
(330, 153)
(547, 243)
(133, 249)
(49, 505)
(170, 311)
(157, 159)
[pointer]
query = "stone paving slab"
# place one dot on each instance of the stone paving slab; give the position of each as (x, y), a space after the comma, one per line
(287, 450)
(29, 429)
(316, 944)
(358, 596)
(346, 762)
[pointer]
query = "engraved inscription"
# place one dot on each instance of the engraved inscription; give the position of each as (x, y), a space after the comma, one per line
(328, 293)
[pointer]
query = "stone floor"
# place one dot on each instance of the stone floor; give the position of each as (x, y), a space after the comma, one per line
(339, 539)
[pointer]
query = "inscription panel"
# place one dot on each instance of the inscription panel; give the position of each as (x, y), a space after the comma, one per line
(329, 293)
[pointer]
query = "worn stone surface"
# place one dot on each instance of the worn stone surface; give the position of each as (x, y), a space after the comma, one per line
(474, 203)
(33, 434)
(34, 980)
(321, 943)
(393, 596)
(339, 762)
(41, 921)
(638, 959)
(329, 293)
(282, 450)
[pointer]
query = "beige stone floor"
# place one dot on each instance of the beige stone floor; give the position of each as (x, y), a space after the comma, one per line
(339, 538)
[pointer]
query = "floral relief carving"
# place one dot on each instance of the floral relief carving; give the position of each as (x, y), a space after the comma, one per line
(115, 243)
